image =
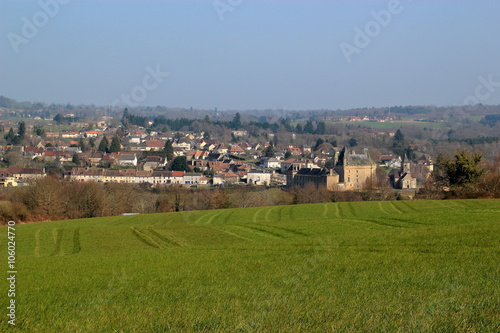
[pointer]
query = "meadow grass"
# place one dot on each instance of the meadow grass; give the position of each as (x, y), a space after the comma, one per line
(419, 266)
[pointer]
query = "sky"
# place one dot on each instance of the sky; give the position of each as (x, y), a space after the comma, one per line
(251, 54)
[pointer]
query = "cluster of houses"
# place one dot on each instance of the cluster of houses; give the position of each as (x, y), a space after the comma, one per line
(214, 162)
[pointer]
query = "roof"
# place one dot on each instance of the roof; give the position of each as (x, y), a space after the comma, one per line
(314, 172)
(385, 158)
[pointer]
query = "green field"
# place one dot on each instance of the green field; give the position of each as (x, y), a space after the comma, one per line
(419, 266)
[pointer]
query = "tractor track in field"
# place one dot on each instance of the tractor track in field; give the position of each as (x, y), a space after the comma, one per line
(154, 239)
(232, 233)
(267, 214)
(228, 216)
(77, 246)
(212, 217)
(291, 231)
(256, 214)
(351, 209)
(325, 210)
(396, 209)
(337, 211)
(261, 231)
(57, 234)
(340, 210)
(381, 207)
(410, 207)
(37, 243)
(145, 239)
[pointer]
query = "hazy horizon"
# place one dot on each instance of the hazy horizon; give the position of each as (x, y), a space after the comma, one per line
(246, 55)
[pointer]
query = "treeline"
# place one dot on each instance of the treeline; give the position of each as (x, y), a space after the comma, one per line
(409, 110)
(162, 123)
(54, 199)
(491, 120)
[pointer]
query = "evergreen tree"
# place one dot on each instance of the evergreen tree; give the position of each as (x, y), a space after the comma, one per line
(103, 145)
(76, 159)
(299, 128)
(180, 164)
(399, 143)
(237, 121)
(353, 142)
(269, 151)
(115, 145)
(460, 170)
(83, 146)
(92, 143)
(22, 130)
(169, 150)
(319, 142)
(321, 129)
(10, 137)
(309, 127)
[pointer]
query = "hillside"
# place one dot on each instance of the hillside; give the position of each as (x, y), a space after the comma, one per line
(369, 266)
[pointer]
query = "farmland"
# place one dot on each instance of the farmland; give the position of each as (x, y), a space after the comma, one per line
(427, 266)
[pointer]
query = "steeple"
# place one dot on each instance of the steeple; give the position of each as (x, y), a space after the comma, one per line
(406, 165)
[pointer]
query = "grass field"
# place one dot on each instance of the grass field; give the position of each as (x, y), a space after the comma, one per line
(419, 266)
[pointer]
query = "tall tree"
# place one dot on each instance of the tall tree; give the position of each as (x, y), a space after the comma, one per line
(83, 146)
(10, 137)
(462, 169)
(180, 164)
(299, 128)
(22, 130)
(269, 151)
(321, 129)
(399, 143)
(76, 159)
(237, 120)
(103, 145)
(115, 145)
(309, 127)
(319, 142)
(169, 150)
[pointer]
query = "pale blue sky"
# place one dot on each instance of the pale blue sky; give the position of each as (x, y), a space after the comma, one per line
(264, 54)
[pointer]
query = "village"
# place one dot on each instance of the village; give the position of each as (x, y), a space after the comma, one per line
(139, 155)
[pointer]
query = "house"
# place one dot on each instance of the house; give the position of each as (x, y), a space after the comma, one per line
(153, 145)
(272, 163)
(295, 151)
(197, 155)
(153, 162)
(70, 135)
(127, 159)
(296, 165)
(182, 144)
(354, 170)
(191, 178)
(13, 177)
(33, 152)
(390, 161)
(403, 179)
(258, 177)
(225, 178)
(235, 150)
(315, 176)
